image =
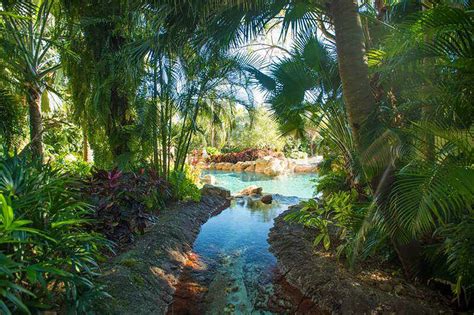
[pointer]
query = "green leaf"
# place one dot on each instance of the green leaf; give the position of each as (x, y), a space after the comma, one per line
(327, 242)
(4, 308)
(318, 239)
(45, 105)
(15, 300)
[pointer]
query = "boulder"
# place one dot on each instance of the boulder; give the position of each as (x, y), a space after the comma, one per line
(274, 167)
(226, 166)
(266, 199)
(238, 167)
(209, 179)
(250, 167)
(291, 165)
(215, 191)
(262, 164)
(251, 190)
(305, 168)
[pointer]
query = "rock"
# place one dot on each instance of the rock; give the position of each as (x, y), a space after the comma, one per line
(215, 191)
(305, 168)
(202, 165)
(330, 285)
(238, 167)
(251, 190)
(274, 167)
(158, 259)
(212, 166)
(267, 199)
(262, 164)
(224, 166)
(227, 166)
(249, 167)
(209, 179)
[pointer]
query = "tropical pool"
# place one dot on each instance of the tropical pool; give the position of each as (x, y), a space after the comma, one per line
(298, 185)
(232, 270)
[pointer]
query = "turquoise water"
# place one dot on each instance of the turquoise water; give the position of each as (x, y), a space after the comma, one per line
(298, 185)
(234, 272)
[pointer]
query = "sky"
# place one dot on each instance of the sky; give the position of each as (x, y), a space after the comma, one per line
(269, 48)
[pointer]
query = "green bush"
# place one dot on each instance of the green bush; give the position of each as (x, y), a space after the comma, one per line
(183, 186)
(71, 165)
(48, 256)
(332, 182)
(213, 151)
(336, 219)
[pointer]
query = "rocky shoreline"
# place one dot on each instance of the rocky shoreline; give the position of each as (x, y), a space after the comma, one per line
(142, 280)
(321, 277)
(269, 165)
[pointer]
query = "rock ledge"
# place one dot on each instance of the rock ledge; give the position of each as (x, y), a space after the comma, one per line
(319, 276)
(143, 279)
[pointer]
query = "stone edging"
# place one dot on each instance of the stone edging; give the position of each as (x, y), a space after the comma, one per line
(329, 284)
(142, 280)
(271, 166)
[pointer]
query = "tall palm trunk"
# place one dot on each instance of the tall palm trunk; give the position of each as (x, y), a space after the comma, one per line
(36, 123)
(119, 137)
(353, 69)
(360, 105)
(85, 145)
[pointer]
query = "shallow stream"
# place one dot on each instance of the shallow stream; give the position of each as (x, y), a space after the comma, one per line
(231, 270)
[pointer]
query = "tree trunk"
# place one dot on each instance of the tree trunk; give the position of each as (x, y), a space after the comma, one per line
(118, 136)
(85, 145)
(360, 105)
(36, 124)
(353, 69)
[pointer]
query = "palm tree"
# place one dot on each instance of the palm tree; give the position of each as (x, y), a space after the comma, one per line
(28, 49)
(353, 69)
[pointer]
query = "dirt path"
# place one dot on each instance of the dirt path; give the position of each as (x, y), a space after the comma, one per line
(142, 280)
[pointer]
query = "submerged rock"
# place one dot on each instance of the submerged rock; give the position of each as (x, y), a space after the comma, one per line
(267, 199)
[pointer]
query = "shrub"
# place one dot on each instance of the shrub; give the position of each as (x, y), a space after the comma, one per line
(212, 151)
(48, 256)
(184, 187)
(336, 219)
(125, 201)
(73, 166)
(243, 156)
(332, 182)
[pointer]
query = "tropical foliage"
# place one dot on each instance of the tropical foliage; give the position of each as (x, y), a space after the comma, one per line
(243, 156)
(102, 101)
(49, 255)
